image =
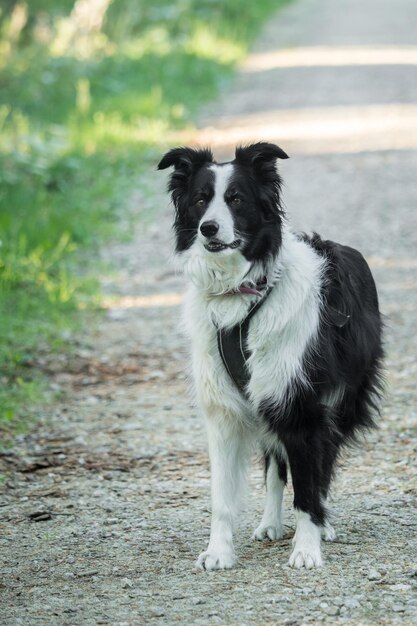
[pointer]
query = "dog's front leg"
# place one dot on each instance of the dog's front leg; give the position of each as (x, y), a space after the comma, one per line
(305, 458)
(228, 448)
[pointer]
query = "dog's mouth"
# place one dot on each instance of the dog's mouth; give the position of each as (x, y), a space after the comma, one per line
(217, 246)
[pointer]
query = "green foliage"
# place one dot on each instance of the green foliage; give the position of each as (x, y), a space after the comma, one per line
(84, 106)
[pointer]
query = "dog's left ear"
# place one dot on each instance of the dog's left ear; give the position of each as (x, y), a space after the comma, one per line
(185, 159)
(260, 153)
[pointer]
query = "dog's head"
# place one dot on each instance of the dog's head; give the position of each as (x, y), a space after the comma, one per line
(227, 207)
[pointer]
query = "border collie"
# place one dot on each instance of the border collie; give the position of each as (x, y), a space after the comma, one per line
(286, 343)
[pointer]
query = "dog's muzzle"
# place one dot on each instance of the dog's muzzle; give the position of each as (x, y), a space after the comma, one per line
(216, 246)
(209, 229)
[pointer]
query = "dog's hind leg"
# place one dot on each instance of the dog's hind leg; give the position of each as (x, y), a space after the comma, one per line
(271, 526)
(329, 460)
(229, 450)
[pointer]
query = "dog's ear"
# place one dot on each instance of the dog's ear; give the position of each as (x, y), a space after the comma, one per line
(185, 159)
(185, 162)
(260, 159)
(260, 153)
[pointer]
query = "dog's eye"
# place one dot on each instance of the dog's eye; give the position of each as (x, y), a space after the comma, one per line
(236, 201)
(200, 203)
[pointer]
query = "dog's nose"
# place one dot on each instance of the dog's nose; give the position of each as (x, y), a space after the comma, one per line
(209, 228)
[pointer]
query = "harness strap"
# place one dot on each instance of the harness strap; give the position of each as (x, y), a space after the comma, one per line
(232, 345)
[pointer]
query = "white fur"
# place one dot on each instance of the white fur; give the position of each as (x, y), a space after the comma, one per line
(285, 327)
(229, 445)
(328, 532)
(306, 543)
(272, 524)
(218, 210)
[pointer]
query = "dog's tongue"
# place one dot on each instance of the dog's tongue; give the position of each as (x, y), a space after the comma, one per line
(248, 290)
(252, 289)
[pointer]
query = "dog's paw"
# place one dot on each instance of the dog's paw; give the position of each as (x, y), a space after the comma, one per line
(303, 556)
(216, 559)
(271, 531)
(328, 532)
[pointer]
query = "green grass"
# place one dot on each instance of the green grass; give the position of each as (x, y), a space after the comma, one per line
(81, 118)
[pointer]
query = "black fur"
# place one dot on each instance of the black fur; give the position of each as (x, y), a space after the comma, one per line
(348, 354)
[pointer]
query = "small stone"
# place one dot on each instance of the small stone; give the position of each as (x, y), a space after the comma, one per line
(40, 516)
(351, 603)
(91, 400)
(127, 583)
(398, 608)
(332, 610)
(199, 601)
(157, 611)
(373, 574)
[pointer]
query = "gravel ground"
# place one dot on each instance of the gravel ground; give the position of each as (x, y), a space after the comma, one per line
(106, 504)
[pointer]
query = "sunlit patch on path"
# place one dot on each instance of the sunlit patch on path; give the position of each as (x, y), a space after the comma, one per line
(144, 302)
(335, 129)
(330, 56)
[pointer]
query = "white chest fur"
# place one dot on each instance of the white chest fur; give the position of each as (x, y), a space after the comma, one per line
(280, 333)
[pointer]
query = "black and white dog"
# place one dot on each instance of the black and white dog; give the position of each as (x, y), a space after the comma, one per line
(286, 343)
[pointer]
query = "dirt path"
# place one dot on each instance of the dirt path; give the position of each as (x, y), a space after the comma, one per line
(119, 470)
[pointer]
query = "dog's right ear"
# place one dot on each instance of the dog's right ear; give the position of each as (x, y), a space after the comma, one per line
(185, 159)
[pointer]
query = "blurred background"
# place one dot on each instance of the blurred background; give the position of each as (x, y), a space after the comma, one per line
(89, 90)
